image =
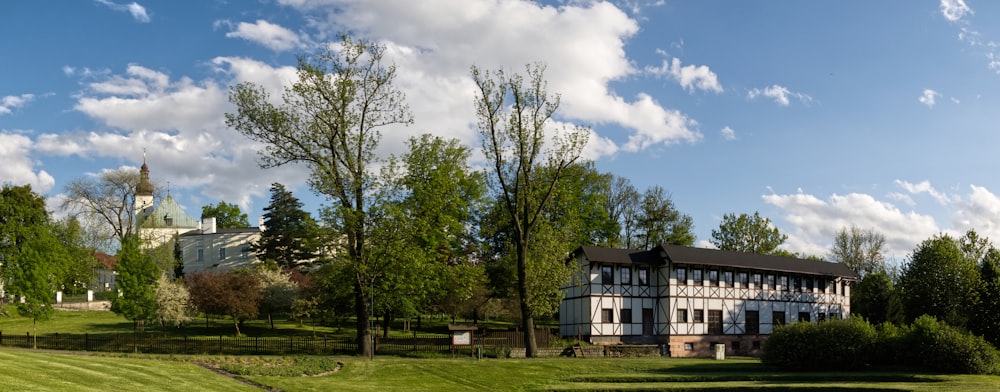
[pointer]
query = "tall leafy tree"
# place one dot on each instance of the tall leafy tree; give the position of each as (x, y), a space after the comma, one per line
(278, 292)
(227, 215)
(939, 280)
(986, 321)
(288, 232)
(77, 272)
(30, 254)
(109, 196)
(513, 113)
(875, 299)
(621, 203)
(747, 233)
(330, 120)
(859, 249)
(659, 222)
(136, 279)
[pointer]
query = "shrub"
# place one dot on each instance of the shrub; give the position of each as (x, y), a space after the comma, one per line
(833, 345)
(935, 346)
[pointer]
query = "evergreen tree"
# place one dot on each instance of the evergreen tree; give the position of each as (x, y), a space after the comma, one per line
(289, 232)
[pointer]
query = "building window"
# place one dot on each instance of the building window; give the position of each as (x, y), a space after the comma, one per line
(607, 275)
(834, 316)
(783, 283)
(643, 276)
(820, 317)
(222, 253)
(736, 346)
(698, 315)
(713, 278)
(607, 316)
(245, 251)
(752, 322)
(626, 316)
(715, 322)
(803, 317)
(796, 283)
(626, 275)
(770, 282)
(821, 285)
(743, 280)
(688, 346)
(682, 315)
(778, 318)
(201, 255)
(696, 277)
(682, 277)
(755, 345)
(727, 276)
(757, 282)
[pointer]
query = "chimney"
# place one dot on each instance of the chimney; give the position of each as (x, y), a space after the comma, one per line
(260, 223)
(208, 226)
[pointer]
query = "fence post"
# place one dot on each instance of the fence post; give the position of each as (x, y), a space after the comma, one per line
(220, 344)
(414, 340)
(86, 342)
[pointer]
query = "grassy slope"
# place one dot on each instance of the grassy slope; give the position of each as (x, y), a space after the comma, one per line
(389, 374)
(32, 371)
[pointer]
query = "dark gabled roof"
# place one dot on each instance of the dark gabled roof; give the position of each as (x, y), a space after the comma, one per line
(700, 256)
(620, 256)
(712, 257)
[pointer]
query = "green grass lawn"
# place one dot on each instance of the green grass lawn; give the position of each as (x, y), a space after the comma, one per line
(22, 370)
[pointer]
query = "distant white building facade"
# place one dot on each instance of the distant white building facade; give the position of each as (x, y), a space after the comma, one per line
(690, 299)
(213, 249)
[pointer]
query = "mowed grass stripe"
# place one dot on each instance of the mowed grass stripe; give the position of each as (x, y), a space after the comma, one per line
(22, 370)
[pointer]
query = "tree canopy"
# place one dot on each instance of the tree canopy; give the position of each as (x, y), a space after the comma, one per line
(860, 250)
(513, 113)
(330, 121)
(136, 279)
(747, 233)
(940, 281)
(110, 196)
(226, 215)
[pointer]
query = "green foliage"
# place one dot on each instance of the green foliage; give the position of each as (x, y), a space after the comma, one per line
(940, 281)
(513, 112)
(659, 222)
(748, 234)
(852, 344)
(860, 250)
(875, 299)
(110, 197)
(832, 345)
(287, 230)
(986, 322)
(136, 279)
(77, 272)
(227, 215)
(279, 291)
(935, 346)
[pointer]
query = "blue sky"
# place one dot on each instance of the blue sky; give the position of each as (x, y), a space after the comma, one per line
(818, 114)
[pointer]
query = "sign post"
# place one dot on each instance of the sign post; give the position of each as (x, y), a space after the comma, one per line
(463, 335)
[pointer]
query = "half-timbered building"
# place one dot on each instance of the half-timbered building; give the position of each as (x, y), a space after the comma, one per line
(690, 299)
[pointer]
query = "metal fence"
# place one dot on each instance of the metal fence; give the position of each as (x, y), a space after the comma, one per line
(499, 342)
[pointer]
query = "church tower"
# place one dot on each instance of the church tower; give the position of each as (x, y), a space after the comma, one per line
(143, 191)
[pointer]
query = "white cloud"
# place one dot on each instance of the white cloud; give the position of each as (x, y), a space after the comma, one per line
(18, 167)
(436, 42)
(924, 187)
(929, 97)
(689, 76)
(11, 102)
(955, 10)
(137, 11)
(813, 222)
(728, 134)
(780, 94)
(270, 35)
(980, 210)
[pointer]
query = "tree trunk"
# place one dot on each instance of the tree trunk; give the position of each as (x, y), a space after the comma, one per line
(527, 316)
(386, 320)
(364, 335)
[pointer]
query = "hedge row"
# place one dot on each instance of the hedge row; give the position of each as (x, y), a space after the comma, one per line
(854, 344)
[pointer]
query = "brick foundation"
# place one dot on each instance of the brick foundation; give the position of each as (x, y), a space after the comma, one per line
(704, 346)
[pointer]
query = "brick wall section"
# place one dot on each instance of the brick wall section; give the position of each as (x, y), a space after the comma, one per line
(703, 345)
